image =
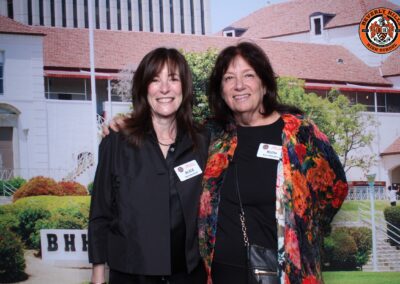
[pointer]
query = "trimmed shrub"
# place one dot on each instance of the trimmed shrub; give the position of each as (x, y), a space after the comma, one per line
(12, 262)
(8, 222)
(347, 248)
(392, 215)
(72, 188)
(38, 186)
(27, 221)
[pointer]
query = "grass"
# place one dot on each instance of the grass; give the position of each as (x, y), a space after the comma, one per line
(359, 277)
(349, 210)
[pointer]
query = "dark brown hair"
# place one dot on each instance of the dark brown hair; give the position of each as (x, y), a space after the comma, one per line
(259, 61)
(139, 124)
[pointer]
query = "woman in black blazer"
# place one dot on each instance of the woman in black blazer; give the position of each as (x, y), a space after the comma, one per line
(143, 214)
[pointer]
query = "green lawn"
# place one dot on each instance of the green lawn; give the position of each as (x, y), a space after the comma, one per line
(349, 210)
(359, 277)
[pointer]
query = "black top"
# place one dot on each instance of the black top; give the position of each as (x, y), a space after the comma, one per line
(142, 217)
(257, 183)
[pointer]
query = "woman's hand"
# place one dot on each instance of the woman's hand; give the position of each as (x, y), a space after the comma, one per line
(117, 123)
(98, 272)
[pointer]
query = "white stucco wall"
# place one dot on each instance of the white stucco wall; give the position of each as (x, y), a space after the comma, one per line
(385, 134)
(24, 90)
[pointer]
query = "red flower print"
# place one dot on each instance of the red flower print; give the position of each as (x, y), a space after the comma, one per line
(292, 247)
(321, 176)
(292, 125)
(205, 206)
(300, 193)
(310, 279)
(301, 151)
(320, 135)
(215, 165)
(340, 191)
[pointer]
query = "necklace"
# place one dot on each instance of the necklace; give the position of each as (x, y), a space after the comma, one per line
(162, 144)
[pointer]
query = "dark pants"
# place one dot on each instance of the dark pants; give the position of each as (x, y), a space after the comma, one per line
(197, 276)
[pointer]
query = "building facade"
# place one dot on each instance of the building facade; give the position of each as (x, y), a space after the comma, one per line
(164, 16)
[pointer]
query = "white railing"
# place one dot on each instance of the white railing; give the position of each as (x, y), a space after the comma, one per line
(27, 173)
(362, 193)
(85, 161)
(364, 215)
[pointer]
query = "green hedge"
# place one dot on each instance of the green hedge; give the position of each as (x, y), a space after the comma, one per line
(12, 262)
(392, 215)
(347, 248)
(15, 182)
(28, 215)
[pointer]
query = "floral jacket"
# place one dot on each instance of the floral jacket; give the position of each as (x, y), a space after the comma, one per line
(311, 186)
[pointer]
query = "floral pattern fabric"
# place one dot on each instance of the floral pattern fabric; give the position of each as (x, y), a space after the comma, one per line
(310, 188)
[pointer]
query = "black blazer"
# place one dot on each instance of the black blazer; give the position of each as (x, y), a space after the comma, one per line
(129, 226)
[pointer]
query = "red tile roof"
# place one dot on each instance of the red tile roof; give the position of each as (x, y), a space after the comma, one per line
(8, 26)
(393, 149)
(391, 66)
(294, 16)
(69, 48)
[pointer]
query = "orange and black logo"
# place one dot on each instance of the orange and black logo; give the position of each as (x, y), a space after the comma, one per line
(379, 30)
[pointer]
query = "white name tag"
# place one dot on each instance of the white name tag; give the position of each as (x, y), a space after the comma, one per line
(269, 151)
(188, 170)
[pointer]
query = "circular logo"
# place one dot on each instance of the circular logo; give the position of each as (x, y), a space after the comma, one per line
(265, 147)
(379, 30)
(180, 169)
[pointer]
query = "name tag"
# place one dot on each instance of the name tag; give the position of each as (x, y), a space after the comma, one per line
(269, 151)
(188, 170)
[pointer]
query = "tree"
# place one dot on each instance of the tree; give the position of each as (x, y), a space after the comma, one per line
(201, 64)
(347, 125)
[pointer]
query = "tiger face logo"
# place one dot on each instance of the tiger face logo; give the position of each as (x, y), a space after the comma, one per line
(379, 30)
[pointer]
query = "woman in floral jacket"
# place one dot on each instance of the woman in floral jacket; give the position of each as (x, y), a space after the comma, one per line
(289, 196)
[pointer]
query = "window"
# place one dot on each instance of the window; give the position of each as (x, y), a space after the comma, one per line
(151, 14)
(171, 13)
(108, 15)
(182, 18)
(97, 11)
(367, 99)
(29, 12)
(64, 13)
(53, 13)
(86, 12)
(10, 9)
(41, 18)
(229, 33)
(203, 27)
(75, 11)
(1, 73)
(317, 26)
(119, 14)
(129, 15)
(140, 10)
(192, 15)
(161, 16)
(393, 102)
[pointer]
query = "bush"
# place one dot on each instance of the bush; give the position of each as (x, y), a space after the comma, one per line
(8, 222)
(347, 248)
(27, 220)
(15, 182)
(72, 188)
(392, 215)
(38, 186)
(12, 262)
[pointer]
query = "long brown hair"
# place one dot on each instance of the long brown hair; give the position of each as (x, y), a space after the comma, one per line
(139, 124)
(259, 61)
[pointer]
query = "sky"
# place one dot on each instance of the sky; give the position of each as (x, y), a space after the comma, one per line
(225, 12)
